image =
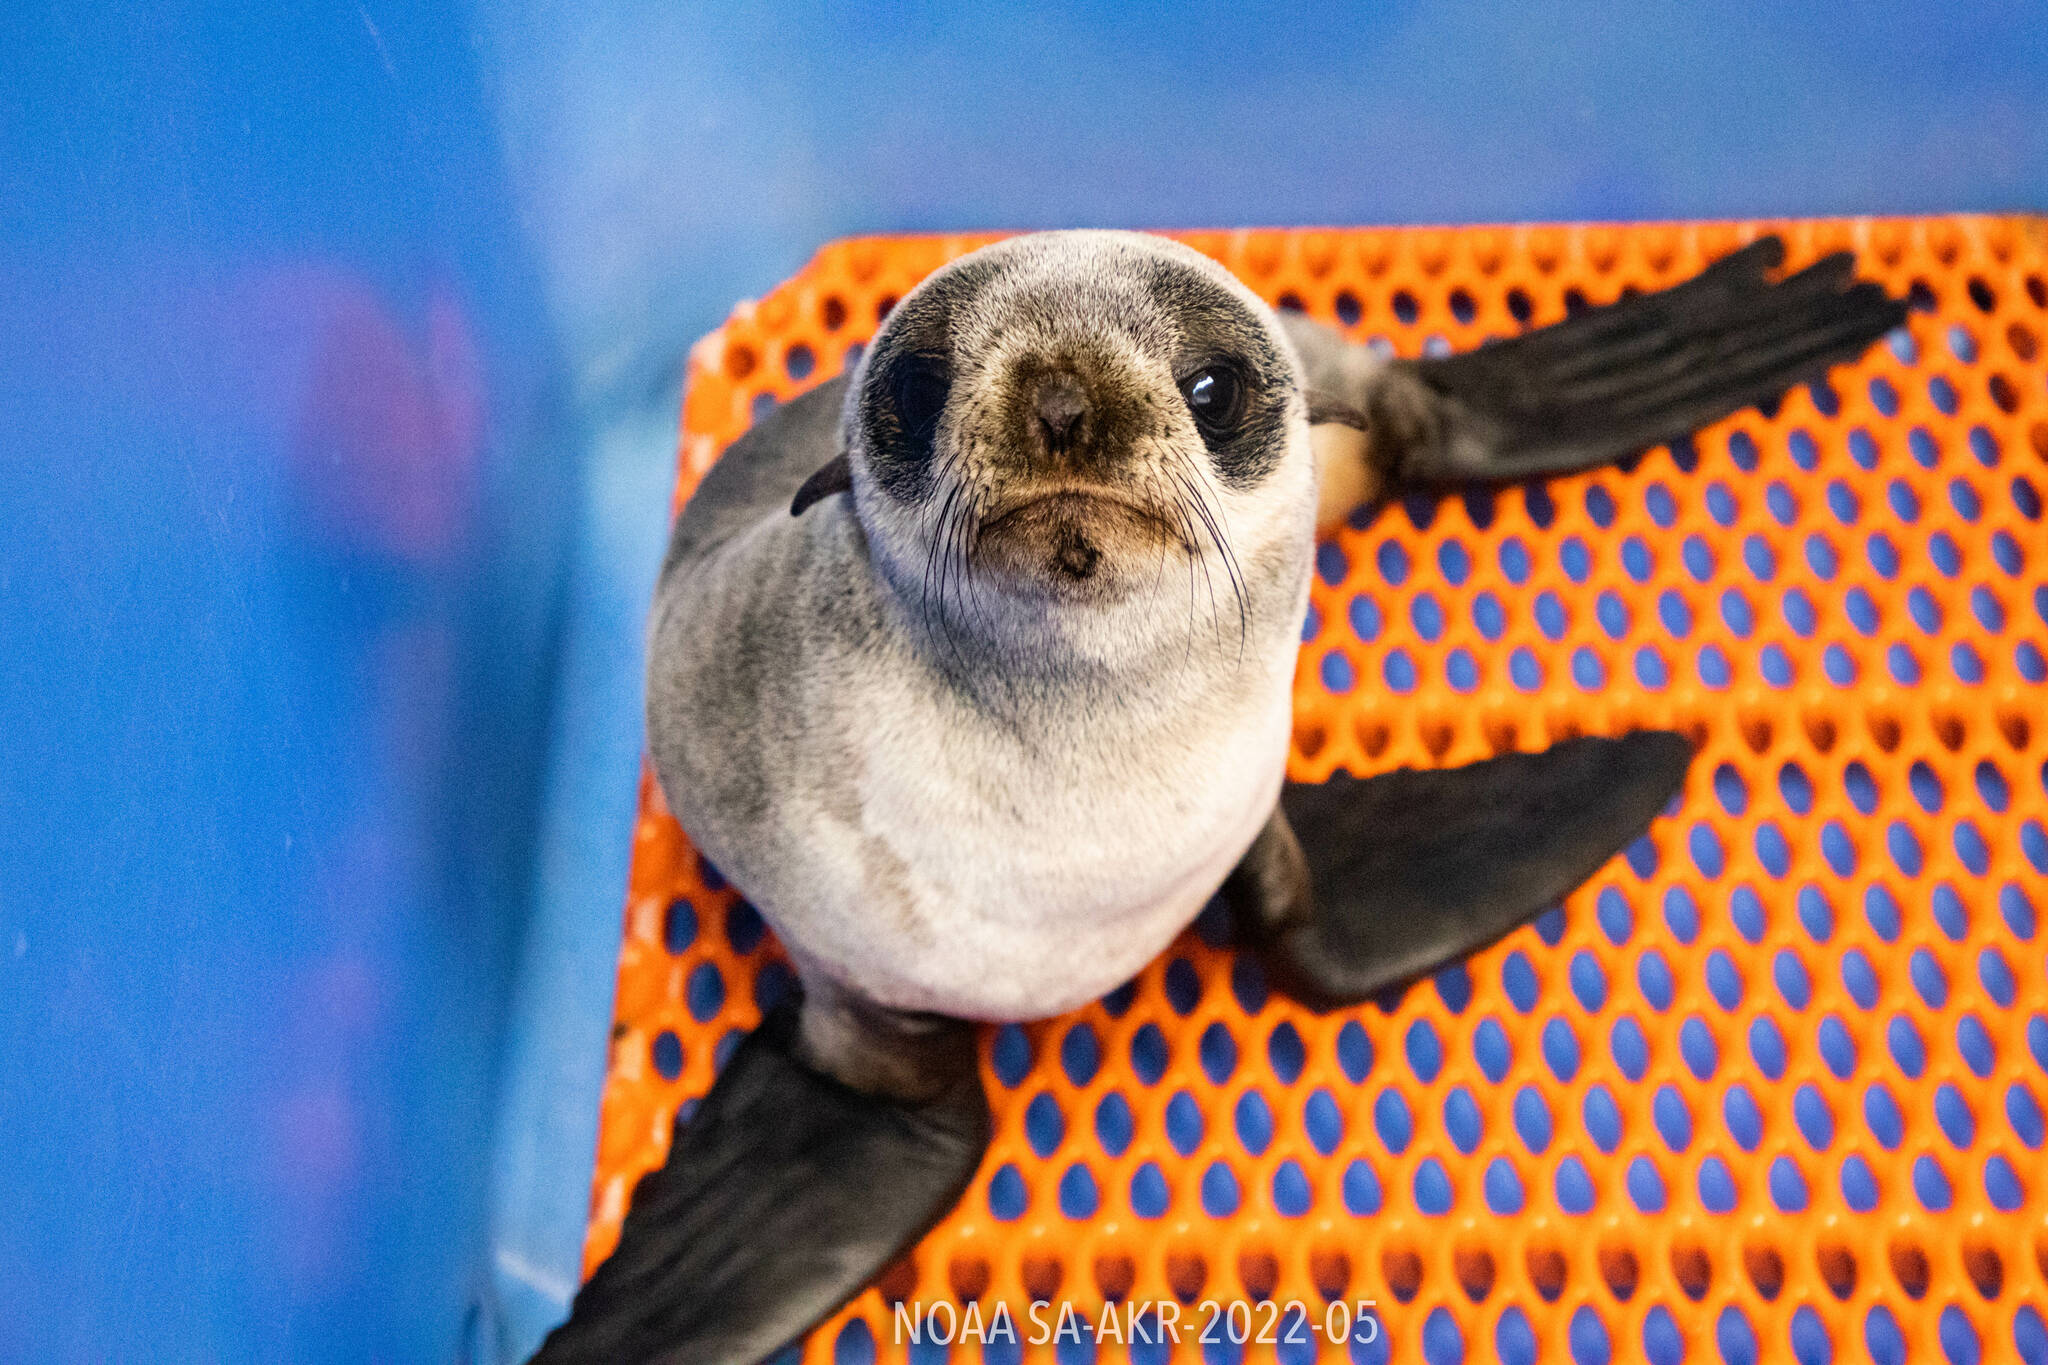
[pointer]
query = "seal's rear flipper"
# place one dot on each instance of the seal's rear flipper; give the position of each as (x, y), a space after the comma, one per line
(784, 1196)
(1615, 380)
(1358, 884)
(1600, 386)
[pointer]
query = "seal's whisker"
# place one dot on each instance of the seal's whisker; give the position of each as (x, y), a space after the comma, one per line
(935, 538)
(958, 580)
(1236, 571)
(965, 536)
(1189, 508)
(941, 562)
(1190, 554)
(1159, 564)
(1182, 532)
(1214, 518)
(1211, 518)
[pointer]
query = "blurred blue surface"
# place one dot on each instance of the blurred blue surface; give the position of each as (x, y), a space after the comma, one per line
(337, 382)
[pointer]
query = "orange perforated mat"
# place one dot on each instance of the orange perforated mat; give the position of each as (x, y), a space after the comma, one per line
(1770, 1087)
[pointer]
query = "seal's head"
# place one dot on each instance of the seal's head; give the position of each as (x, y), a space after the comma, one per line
(1084, 432)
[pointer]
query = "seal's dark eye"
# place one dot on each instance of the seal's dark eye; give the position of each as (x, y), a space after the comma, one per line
(920, 388)
(1215, 396)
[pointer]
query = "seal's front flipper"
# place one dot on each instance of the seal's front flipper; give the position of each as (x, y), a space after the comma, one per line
(1358, 884)
(783, 1197)
(1603, 385)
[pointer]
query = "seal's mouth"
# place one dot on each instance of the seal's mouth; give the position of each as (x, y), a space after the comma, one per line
(1075, 541)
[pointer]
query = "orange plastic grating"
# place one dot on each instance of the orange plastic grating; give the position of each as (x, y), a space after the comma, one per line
(1769, 1087)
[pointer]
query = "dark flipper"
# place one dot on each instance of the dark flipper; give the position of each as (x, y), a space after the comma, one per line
(1602, 386)
(1618, 379)
(1394, 876)
(782, 1198)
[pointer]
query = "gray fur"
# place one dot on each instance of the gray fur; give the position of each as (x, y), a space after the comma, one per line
(975, 797)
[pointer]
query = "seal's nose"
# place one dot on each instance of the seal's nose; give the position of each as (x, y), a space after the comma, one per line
(1062, 410)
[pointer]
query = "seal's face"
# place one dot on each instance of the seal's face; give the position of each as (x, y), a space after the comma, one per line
(1078, 420)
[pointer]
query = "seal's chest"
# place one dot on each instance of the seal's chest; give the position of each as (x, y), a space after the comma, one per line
(1053, 893)
(1086, 821)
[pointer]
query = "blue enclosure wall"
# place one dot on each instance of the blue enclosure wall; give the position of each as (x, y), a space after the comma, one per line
(338, 361)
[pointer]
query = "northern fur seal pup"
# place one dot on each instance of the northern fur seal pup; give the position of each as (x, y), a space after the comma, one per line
(980, 738)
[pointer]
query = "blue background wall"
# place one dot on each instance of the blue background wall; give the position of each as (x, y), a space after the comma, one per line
(337, 366)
